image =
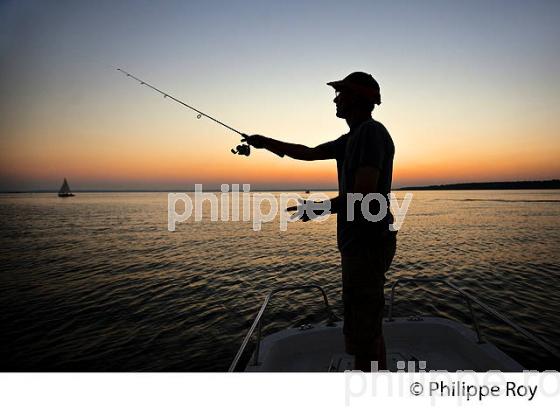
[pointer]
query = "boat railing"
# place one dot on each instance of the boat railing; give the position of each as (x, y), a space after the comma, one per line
(257, 323)
(469, 300)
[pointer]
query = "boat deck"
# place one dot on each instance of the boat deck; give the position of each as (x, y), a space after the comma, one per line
(442, 344)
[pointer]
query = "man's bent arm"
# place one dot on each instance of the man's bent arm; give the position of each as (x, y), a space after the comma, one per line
(335, 205)
(366, 180)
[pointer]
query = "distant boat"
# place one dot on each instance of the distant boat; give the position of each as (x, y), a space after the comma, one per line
(65, 190)
(307, 191)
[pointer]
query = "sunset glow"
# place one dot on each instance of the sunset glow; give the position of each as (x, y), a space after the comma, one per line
(468, 93)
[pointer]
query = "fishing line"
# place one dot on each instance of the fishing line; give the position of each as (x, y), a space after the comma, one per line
(242, 149)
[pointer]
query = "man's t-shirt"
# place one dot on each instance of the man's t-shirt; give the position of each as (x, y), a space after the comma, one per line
(368, 144)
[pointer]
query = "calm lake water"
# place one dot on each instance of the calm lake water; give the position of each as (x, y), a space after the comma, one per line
(98, 283)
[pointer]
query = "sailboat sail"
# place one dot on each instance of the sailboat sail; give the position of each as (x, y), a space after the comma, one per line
(65, 189)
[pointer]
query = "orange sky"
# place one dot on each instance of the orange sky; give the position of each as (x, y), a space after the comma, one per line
(468, 97)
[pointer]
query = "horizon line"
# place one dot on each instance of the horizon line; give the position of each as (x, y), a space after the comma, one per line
(451, 186)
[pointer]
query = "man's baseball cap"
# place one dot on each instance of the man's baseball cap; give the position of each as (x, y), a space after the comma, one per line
(361, 83)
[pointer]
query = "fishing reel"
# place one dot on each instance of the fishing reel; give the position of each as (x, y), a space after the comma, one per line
(242, 149)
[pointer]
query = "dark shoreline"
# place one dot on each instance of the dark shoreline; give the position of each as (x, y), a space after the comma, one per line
(549, 184)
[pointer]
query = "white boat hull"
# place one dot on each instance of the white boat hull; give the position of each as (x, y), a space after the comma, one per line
(441, 343)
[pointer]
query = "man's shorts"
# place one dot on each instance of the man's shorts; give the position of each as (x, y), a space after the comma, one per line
(363, 277)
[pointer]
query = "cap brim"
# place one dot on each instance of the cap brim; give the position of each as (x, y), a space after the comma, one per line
(367, 92)
(336, 84)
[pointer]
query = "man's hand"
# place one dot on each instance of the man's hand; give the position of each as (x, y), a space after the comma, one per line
(307, 210)
(300, 212)
(260, 141)
(257, 141)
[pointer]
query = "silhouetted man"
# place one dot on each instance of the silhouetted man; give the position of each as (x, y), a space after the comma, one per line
(364, 158)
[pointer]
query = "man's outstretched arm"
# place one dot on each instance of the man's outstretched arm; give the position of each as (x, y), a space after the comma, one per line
(296, 151)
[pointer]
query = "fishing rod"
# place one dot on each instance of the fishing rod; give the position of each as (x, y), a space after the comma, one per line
(242, 149)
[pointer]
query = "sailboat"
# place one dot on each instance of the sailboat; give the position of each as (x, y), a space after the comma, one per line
(65, 190)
